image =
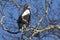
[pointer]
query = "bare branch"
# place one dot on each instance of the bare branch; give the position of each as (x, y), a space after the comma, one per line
(3, 26)
(47, 5)
(44, 29)
(17, 5)
(40, 20)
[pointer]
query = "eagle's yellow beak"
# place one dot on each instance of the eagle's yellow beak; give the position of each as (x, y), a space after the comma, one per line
(28, 7)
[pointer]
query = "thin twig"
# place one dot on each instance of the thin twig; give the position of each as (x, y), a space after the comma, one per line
(17, 5)
(40, 20)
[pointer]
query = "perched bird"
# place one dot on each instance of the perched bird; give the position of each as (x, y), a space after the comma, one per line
(24, 18)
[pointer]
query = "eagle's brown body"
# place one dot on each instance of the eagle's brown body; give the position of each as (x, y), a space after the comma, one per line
(25, 19)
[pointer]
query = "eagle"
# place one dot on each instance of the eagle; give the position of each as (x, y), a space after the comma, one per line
(24, 18)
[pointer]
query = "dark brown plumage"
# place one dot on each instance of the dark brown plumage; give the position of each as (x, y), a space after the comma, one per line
(24, 18)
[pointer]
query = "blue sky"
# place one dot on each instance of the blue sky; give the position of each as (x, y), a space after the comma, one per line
(11, 10)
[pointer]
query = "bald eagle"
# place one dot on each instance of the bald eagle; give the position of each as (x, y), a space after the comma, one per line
(24, 18)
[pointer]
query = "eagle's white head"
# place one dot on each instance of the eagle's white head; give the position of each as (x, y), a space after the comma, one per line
(27, 7)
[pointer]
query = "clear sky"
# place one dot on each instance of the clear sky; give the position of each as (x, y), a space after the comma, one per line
(12, 12)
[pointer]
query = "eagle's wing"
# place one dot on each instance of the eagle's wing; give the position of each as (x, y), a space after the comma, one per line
(24, 19)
